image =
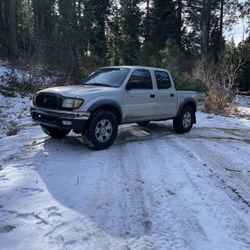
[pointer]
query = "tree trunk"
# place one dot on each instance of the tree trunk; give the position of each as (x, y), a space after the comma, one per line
(75, 46)
(147, 7)
(147, 20)
(12, 27)
(179, 21)
(205, 21)
(221, 26)
(2, 12)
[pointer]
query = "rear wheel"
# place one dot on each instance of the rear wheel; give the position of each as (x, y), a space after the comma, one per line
(184, 122)
(55, 132)
(102, 130)
(143, 124)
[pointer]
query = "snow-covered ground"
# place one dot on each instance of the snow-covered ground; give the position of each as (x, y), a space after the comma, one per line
(14, 111)
(153, 189)
(21, 76)
(244, 105)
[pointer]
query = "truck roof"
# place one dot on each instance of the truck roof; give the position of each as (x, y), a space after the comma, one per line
(135, 67)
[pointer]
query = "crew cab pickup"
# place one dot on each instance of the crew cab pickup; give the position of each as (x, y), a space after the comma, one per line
(112, 96)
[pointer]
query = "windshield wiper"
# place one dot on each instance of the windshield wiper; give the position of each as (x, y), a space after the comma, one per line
(98, 84)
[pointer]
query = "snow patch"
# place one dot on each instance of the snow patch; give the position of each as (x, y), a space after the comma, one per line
(243, 105)
(13, 112)
(20, 76)
(153, 189)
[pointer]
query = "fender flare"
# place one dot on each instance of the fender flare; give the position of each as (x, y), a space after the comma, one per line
(188, 102)
(107, 102)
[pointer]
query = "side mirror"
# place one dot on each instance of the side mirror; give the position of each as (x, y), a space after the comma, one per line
(132, 85)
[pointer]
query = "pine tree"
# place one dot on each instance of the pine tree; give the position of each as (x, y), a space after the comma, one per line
(130, 27)
(8, 27)
(164, 22)
(160, 24)
(4, 27)
(179, 22)
(114, 33)
(43, 26)
(206, 21)
(205, 26)
(97, 11)
(244, 74)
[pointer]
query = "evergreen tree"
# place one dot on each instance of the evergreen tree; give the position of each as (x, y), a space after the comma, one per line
(164, 23)
(68, 35)
(114, 34)
(8, 26)
(43, 26)
(13, 26)
(130, 27)
(244, 74)
(206, 21)
(98, 40)
(245, 10)
(43, 18)
(90, 33)
(179, 22)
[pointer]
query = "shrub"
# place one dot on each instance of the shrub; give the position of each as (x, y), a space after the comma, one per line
(185, 82)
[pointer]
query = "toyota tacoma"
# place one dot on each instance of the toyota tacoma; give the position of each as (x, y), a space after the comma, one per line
(112, 96)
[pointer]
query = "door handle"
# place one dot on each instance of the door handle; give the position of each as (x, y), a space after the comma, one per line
(172, 95)
(152, 96)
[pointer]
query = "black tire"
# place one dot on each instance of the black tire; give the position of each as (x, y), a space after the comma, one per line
(184, 122)
(143, 124)
(101, 130)
(55, 132)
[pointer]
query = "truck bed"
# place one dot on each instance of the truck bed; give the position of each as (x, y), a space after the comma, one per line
(198, 96)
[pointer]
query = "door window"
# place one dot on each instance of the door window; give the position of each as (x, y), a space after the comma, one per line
(163, 80)
(140, 79)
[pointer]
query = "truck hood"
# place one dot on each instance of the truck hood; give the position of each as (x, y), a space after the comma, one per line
(76, 90)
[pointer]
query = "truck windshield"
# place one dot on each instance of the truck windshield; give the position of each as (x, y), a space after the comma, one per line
(110, 77)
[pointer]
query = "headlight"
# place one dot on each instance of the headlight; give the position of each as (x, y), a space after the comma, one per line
(72, 103)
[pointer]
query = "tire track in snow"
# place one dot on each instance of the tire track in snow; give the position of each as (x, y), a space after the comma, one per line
(126, 193)
(159, 191)
(234, 223)
(166, 198)
(180, 232)
(156, 233)
(219, 165)
(189, 221)
(183, 222)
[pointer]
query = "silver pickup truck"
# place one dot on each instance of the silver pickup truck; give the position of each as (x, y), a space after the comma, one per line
(112, 96)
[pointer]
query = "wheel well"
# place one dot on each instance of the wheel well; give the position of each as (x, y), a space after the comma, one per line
(193, 106)
(113, 109)
(190, 104)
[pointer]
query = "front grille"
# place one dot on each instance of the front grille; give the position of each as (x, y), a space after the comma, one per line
(49, 101)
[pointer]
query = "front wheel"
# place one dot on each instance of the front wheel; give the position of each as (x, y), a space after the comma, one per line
(55, 132)
(102, 130)
(184, 122)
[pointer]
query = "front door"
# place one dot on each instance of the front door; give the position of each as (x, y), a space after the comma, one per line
(140, 97)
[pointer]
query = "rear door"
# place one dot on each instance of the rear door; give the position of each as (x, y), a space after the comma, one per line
(140, 101)
(167, 97)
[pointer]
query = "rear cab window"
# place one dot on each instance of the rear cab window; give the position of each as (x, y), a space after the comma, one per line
(162, 79)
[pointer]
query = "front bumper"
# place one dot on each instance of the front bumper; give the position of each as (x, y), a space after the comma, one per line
(59, 118)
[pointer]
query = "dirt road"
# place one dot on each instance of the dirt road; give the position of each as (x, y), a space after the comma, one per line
(153, 189)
